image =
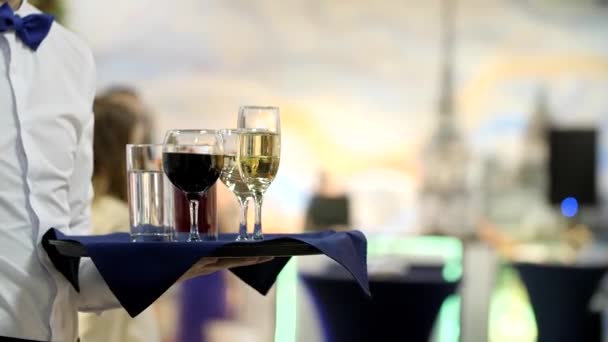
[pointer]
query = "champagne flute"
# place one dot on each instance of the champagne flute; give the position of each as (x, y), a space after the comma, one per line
(259, 154)
(193, 160)
(231, 176)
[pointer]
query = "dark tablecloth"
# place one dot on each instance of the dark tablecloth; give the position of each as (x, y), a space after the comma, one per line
(400, 309)
(560, 297)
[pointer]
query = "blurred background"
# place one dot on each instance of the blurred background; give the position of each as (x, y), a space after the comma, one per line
(467, 135)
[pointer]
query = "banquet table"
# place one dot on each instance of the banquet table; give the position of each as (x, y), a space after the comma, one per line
(560, 296)
(402, 308)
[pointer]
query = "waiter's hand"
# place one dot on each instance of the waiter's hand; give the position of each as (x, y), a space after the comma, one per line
(210, 265)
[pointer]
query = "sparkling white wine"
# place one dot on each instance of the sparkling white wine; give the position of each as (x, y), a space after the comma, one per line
(231, 177)
(259, 159)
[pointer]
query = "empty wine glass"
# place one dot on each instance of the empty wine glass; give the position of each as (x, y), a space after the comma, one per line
(231, 176)
(259, 154)
(193, 160)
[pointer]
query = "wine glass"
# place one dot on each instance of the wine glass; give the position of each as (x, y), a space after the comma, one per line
(193, 160)
(231, 176)
(259, 154)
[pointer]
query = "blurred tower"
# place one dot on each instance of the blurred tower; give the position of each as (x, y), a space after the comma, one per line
(445, 192)
(515, 199)
(538, 218)
(534, 172)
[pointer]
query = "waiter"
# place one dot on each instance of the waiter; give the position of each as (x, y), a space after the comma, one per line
(47, 86)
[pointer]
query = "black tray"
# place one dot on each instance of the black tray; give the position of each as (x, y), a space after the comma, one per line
(272, 248)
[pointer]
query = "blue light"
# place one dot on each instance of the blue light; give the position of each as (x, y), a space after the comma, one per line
(569, 207)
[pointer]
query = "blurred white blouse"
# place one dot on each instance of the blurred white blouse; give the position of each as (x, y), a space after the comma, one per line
(110, 215)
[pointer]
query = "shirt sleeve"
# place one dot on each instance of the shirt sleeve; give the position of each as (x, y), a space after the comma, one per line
(94, 295)
(81, 187)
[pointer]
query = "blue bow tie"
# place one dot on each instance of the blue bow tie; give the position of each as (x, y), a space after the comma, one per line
(31, 29)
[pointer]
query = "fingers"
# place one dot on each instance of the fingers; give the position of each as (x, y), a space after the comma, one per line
(209, 265)
(239, 262)
(265, 259)
(198, 268)
(206, 261)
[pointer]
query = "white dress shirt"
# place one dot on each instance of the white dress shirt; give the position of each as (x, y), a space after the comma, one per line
(46, 128)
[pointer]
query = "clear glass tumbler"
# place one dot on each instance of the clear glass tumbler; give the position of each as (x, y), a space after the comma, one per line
(150, 194)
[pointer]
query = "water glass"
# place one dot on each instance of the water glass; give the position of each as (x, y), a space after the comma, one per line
(150, 194)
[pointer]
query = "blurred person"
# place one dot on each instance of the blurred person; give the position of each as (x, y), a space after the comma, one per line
(47, 86)
(127, 96)
(130, 97)
(115, 126)
(327, 209)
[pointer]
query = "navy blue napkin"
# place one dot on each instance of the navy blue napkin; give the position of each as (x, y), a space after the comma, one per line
(139, 273)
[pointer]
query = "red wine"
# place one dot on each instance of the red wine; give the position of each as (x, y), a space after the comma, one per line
(207, 211)
(191, 172)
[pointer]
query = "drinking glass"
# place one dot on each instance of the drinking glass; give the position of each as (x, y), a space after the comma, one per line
(193, 160)
(149, 194)
(231, 176)
(259, 154)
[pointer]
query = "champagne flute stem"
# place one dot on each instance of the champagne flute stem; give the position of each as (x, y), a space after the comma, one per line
(243, 201)
(194, 236)
(257, 227)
